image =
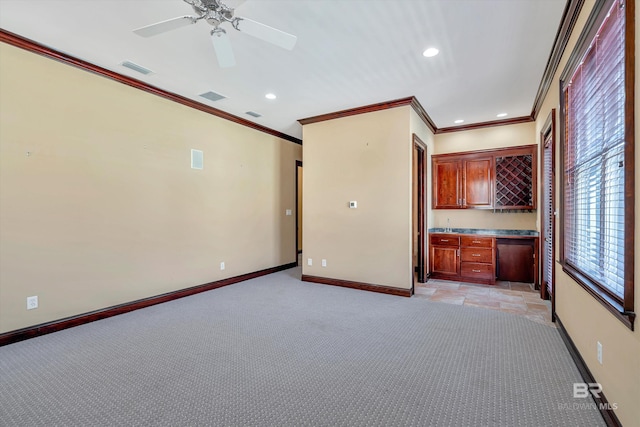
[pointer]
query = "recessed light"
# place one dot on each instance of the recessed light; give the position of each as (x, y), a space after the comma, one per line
(459, 121)
(432, 51)
(501, 115)
(270, 96)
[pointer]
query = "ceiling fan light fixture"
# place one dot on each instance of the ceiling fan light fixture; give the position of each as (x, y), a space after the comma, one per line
(270, 96)
(430, 52)
(218, 14)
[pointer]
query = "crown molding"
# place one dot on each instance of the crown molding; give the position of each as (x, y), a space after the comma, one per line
(411, 100)
(473, 126)
(568, 21)
(37, 48)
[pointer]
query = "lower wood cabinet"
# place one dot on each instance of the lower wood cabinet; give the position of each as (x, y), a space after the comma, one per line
(444, 255)
(518, 260)
(463, 257)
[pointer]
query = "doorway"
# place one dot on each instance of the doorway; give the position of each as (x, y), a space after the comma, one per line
(298, 210)
(419, 161)
(547, 242)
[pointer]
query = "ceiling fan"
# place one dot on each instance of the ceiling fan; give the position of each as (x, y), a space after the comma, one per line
(215, 12)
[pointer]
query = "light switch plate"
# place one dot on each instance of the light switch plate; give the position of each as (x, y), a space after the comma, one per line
(288, 212)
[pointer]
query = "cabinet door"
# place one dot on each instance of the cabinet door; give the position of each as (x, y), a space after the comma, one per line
(478, 184)
(446, 184)
(516, 261)
(444, 260)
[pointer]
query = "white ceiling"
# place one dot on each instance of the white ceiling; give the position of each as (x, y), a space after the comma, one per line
(349, 53)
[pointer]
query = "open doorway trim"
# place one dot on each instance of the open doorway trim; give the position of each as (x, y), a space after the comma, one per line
(297, 233)
(421, 147)
(547, 148)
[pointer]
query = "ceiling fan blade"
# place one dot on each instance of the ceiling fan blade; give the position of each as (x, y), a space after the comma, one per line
(164, 26)
(224, 52)
(267, 33)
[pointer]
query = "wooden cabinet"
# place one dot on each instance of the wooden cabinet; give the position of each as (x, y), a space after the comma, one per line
(478, 259)
(462, 257)
(460, 183)
(444, 260)
(498, 179)
(518, 260)
(447, 182)
(477, 183)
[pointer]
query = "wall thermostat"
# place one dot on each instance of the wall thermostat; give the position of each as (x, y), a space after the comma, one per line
(353, 204)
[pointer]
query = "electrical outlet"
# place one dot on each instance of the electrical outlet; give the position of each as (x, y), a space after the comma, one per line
(309, 261)
(599, 353)
(222, 265)
(32, 302)
(324, 262)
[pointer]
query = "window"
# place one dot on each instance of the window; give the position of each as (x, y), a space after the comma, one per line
(597, 118)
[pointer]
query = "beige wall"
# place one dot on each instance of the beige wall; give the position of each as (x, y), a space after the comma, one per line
(99, 205)
(587, 321)
(484, 139)
(364, 158)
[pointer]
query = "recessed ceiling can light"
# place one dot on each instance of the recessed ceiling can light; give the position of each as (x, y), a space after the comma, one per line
(501, 115)
(432, 51)
(270, 96)
(459, 121)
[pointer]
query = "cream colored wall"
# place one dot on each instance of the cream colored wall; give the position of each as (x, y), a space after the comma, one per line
(99, 205)
(484, 139)
(364, 158)
(586, 320)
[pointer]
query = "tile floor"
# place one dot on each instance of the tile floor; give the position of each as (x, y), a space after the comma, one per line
(509, 297)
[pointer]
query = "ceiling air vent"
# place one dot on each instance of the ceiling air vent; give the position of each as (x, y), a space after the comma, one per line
(212, 96)
(135, 67)
(253, 113)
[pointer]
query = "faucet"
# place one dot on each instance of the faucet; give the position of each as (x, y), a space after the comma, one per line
(448, 229)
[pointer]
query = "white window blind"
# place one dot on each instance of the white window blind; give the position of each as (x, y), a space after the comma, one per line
(594, 158)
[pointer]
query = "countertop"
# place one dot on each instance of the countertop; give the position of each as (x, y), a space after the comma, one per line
(486, 232)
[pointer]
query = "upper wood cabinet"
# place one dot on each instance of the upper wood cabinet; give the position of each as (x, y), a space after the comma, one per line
(477, 183)
(460, 182)
(492, 179)
(447, 184)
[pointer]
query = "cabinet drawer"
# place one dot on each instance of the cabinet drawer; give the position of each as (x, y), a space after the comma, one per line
(445, 240)
(480, 271)
(479, 242)
(477, 255)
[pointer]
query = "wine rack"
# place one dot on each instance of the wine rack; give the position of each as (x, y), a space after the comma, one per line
(514, 182)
